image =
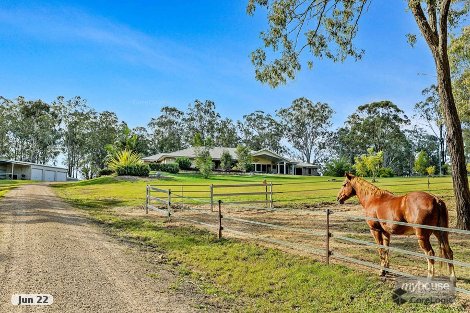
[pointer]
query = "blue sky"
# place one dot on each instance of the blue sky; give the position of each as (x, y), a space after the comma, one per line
(135, 57)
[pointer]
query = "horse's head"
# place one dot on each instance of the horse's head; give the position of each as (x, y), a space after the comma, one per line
(347, 191)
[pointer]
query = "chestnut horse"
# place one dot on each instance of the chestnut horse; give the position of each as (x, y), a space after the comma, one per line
(414, 207)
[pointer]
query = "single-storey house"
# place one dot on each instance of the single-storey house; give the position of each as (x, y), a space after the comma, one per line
(264, 161)
(10, 169)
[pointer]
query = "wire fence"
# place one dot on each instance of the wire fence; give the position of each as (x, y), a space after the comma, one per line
(264, 193)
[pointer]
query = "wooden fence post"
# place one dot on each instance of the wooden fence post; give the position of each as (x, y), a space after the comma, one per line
(169, 204)
(182, 197)
(212, 197)
(328, 235)
(220, 220)
(147, 194)
(266, 193)
(271, 205)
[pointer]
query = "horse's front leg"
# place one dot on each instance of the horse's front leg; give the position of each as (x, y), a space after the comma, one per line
(379, 240)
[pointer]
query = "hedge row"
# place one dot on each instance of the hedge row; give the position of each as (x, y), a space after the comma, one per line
(133, 170)
(172, 168)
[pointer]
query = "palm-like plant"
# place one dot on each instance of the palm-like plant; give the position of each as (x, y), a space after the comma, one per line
(124, 158)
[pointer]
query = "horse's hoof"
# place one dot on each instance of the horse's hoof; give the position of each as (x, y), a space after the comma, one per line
(453, 280)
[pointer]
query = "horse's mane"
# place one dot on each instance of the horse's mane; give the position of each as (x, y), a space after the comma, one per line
(370, 188)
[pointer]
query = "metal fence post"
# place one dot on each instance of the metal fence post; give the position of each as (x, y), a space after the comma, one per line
(147, 194)
(169, 204)
(212, 197)
(220, 220)
(328, 235)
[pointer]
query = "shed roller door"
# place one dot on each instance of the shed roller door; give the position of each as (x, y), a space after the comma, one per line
(36, 174)
(61, 176)
(49, 175)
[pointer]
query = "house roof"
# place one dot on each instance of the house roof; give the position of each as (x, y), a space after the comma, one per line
(6, 161)
(216, 154)
(304, 164)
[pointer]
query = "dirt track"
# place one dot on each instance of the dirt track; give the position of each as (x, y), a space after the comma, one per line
(48, 247)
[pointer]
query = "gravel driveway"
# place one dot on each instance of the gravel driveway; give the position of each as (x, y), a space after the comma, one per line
(48, 247)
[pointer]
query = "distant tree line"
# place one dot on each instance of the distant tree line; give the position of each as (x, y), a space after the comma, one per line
(74, 134)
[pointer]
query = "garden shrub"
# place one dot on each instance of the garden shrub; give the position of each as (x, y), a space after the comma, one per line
(172, 168)
(105, 172)
(184, 163)
(386, 172)
(133, 170)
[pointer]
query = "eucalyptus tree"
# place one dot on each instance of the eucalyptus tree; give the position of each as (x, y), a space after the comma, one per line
(201, 118)
(143, 145)
(259, 130)
(327, 28)
(306, 125)
(167, 130)
(29, 130)
(430, 110)
(5, 127)
(378, 125)
(226, 134)
(76, 127)
(105, 127)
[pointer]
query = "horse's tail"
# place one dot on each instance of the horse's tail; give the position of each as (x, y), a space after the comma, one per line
(443, 236)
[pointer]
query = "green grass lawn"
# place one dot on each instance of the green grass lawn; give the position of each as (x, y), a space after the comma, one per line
(7, 185)
(289, 191)
(261, 279)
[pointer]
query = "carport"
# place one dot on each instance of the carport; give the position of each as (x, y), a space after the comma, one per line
(11, 169)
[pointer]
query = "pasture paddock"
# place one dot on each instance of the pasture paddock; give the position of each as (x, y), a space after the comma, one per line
(302, 214)
(348, 245)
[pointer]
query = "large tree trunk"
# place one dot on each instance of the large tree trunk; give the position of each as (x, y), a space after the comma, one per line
(435, 33)
(454, 141)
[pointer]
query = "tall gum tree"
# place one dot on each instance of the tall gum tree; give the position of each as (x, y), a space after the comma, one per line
(326, 29)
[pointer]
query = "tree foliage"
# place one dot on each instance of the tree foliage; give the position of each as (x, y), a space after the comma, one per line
(124, 158)
(378, 125)
(202, 118)
(338, 167)
(167, 130)
(430, 110)
(226, 161)
(203, 159)
(184, 163)
(324, 28)
(459, 57)
(244, 158)
(260, 130)
(421, 163)
(306, 126)
(369, 164)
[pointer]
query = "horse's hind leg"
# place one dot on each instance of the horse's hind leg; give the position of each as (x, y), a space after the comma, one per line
(425, 245)
(446, 251)
(379, 240)
(386, 240)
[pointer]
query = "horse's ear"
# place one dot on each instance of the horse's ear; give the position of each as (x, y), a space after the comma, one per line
(349, 176)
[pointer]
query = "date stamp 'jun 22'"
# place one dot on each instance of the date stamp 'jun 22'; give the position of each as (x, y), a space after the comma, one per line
(32, 299)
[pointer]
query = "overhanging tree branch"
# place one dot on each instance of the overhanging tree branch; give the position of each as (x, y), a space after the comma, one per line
(431, 38)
